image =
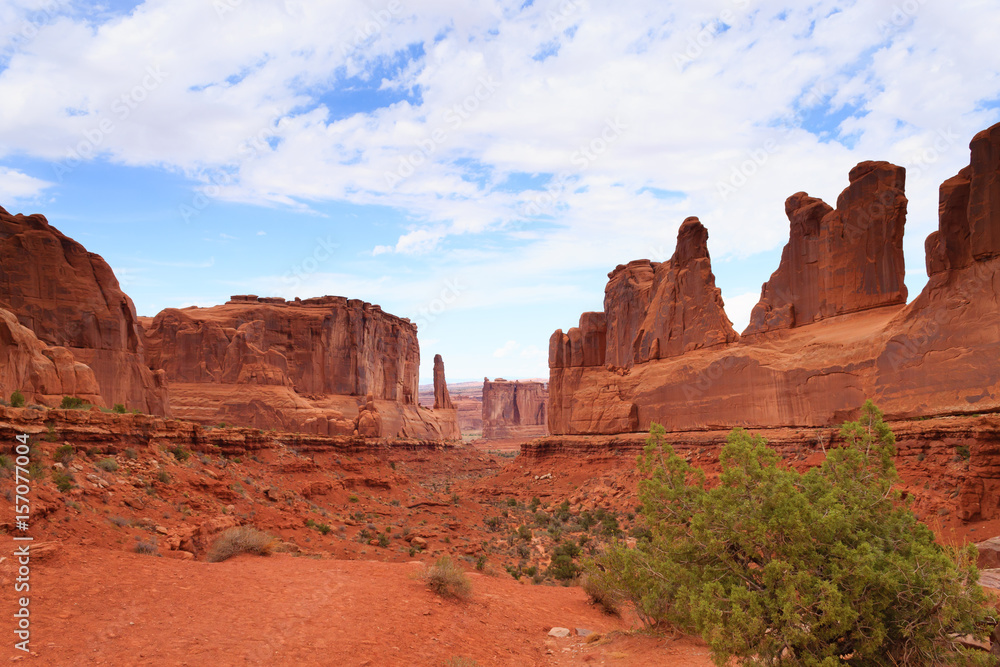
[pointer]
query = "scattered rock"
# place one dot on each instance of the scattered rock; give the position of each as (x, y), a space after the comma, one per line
(559, 633)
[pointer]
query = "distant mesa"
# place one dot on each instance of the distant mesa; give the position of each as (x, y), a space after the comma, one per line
(832, 326)
(327, 366)
(514, 410)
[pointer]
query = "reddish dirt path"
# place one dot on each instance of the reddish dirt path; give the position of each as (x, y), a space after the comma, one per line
(95, 606)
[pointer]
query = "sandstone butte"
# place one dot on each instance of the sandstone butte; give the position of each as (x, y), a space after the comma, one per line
(514, 410)
(66, 327)
(832, 327)
(326, 366)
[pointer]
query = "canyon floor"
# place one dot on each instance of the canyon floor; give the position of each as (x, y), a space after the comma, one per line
(120, 577)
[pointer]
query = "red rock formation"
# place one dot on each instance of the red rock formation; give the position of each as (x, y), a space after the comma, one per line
(42, 373)
(71, 299)
(839, 261)
(685, 311)
(304, 365)
(442, 401)
(514, 410)
(848, 337)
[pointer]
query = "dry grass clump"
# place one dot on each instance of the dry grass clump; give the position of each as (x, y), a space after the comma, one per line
(240, 540)
(447, 579)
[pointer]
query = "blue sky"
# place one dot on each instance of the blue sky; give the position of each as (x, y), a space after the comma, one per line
(477, 167)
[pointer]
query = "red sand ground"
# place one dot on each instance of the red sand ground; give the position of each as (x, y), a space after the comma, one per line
(95, 606)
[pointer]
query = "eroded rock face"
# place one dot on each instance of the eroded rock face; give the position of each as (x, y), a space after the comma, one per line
(442, 401)
(71, 299)
(839, 261)
(685, 311)
(514, 410)
(42, 373)
(328, 345)
(306, 365)
(845, 332)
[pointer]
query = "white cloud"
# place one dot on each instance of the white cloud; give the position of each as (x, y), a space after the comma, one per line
(16, 185)
(508, 348)
(242, 104)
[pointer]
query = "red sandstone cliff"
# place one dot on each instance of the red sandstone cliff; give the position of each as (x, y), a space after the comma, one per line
(70, 299)
(514, 410)
(839, 261)
(837, 294)
(329, 366)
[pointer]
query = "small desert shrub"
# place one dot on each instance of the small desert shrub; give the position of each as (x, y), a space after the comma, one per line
(459, 661)
(383, 540)
(108, 465)
(353, 498)
(563, 567)
(447, 579)
(240, 540)
(963, 452)
(63, 480)
(131, 454)
(493, 523)
(72, 403)
(180, 453)
(17, 399)
(6, 462)
(606, 598)
(120, 521)
(64, 454)
(481, 562)
(148, 548)
(119, 409)
(163, 477)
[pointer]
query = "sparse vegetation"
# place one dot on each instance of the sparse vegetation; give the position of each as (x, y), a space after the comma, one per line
(73, 403)
(240, 540)
(447, 579)
(108, 465)
(64, 454)
(17, 399)
(63, 480)
(180, 453)
(131, 454)
(119, 409)
(149, 548)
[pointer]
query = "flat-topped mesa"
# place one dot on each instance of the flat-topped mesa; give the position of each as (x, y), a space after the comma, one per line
(514, 410)
(70, 298)
(652, 310)
(839, 261)
(326, 345)
(442, 401)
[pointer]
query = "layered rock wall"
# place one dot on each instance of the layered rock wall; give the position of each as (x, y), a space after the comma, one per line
(71, 301)
(328, 366)
(514, 410)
